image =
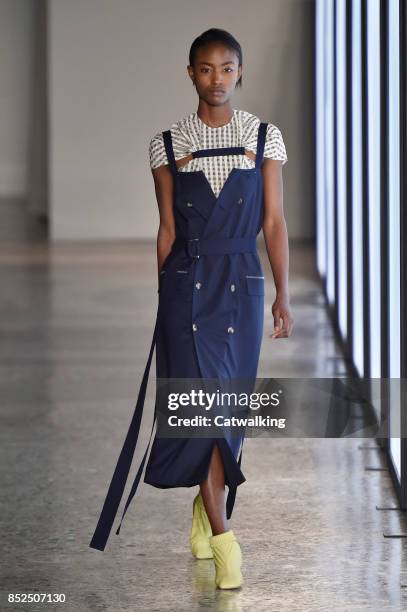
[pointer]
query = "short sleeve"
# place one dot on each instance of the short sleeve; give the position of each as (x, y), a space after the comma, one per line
(156, 150)
(274, 145)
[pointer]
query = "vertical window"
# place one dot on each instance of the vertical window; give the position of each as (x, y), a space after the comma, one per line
(320, 123)
(357, 191)
(341, 139)
(373, 180)
(329, 151)
(393, 170)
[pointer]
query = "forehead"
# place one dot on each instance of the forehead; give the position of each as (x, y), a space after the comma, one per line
(216, 53)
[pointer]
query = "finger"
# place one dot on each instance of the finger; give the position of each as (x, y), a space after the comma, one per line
(276, 316)
(283, 331)
(277, 328)
(286, 321)
(284, 326)
(277, 334)
(280, 334)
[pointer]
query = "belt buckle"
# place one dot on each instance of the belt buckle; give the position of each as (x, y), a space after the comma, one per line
(193, 252)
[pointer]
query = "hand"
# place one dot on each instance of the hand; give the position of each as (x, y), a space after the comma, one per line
(281, 310)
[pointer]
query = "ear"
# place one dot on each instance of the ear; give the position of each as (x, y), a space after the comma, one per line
(191, 73)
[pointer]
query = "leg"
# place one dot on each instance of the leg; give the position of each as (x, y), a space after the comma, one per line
(213, 493)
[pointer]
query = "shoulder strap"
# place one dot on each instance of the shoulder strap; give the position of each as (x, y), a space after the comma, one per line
(261, 139)
(169, 150)
(219, 151)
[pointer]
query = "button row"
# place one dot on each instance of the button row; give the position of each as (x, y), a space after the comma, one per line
(232, 287)
(230, 330)
(239, 201)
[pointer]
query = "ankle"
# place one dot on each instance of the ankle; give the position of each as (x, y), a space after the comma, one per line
(220, 531)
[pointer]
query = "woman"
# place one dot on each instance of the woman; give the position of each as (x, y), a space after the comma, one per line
(218, 181)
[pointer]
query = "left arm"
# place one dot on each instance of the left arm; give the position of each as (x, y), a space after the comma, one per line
(276, 239)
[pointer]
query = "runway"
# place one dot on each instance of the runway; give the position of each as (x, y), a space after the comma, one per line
(76, 323)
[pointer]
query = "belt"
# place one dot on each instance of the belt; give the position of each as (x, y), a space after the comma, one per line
(216, 246)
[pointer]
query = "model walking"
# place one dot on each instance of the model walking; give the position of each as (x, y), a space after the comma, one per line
(217, 182)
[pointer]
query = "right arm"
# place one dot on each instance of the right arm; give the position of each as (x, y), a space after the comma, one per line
(164, 190)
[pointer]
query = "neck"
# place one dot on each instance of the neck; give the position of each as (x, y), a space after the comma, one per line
(215, 116)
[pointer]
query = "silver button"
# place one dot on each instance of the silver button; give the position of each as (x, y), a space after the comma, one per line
(194, 326)
(232, 287)
(198, 285)
(189, 204)
(240, 201)
(230, 330)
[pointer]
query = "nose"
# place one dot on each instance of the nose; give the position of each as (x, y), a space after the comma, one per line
(217, 79)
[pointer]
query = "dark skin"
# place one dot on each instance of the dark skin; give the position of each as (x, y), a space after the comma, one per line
(217, 67)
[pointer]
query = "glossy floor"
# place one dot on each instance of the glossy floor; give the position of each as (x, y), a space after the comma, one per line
(76, 324)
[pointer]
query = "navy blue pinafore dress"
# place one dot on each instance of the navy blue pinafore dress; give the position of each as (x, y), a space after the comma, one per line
(209, 321)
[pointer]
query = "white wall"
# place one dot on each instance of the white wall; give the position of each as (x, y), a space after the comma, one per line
(16, 40)
(117, 75)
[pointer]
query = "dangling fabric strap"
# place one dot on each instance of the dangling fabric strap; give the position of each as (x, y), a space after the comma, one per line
(261, 139)
(122, 469)
(230, 501)
(137, 478)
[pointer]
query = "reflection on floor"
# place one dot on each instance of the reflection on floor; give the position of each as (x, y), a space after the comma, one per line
(76, 324)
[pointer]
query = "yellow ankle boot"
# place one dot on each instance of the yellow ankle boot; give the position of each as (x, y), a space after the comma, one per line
(201, 531)
(228, 559)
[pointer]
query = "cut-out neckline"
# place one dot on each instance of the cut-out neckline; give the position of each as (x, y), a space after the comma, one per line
(177, 170)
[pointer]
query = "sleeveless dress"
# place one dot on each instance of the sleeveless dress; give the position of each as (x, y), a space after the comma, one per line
(209, 321)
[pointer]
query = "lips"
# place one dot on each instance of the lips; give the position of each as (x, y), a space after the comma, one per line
(217, 91)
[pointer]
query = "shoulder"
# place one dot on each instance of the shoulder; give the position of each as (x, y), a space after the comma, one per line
(274, 146)
(156, 150)
(180, 142)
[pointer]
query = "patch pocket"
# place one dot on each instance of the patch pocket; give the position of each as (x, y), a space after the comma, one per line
(254, 284)
(183, 282)
(181, 276)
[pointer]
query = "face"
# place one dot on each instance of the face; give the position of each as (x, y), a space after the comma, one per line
(215, 73)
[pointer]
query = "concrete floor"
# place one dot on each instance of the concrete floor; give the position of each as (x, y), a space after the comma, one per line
(76, 324)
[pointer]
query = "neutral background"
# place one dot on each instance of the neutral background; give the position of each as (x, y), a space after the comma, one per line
(114, 74)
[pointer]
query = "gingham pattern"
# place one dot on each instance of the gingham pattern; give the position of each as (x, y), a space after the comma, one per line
(192, 134)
